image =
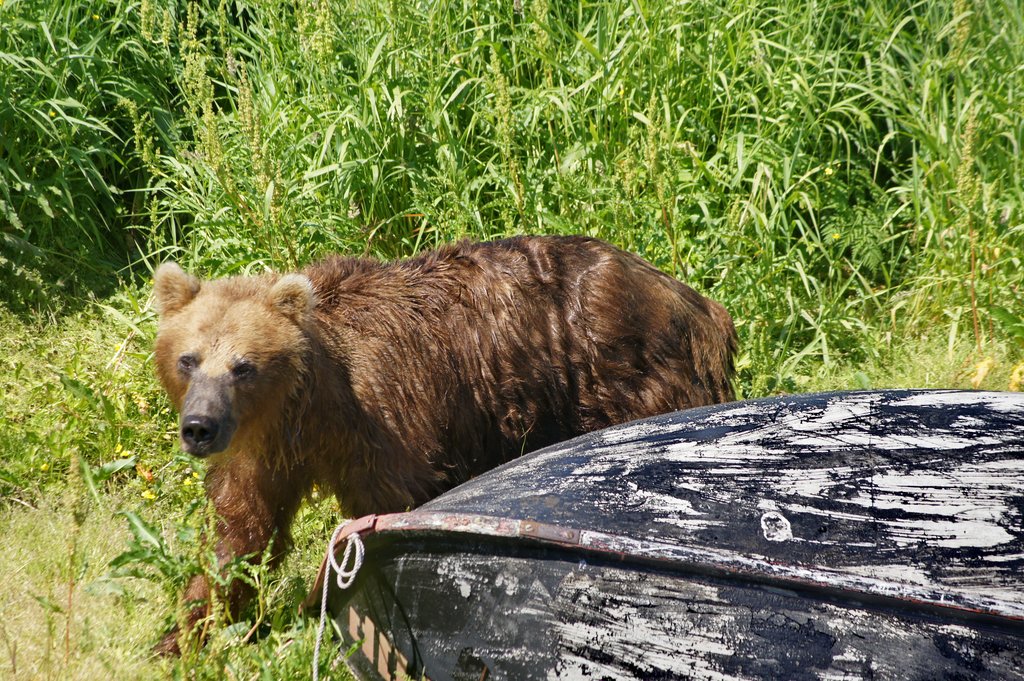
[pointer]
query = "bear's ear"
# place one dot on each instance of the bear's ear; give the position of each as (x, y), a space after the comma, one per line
(293, 296)
(173, 287)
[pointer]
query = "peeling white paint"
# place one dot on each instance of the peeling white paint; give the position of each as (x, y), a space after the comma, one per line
(629, 433)
(898, 573)
(691, 524)
(948, 534)
(998, 401)
(659, 503)
(625, 631)
(995, 600)
(848, 665)
(973, 497)
(816, 483)
(776, 527)
(509, 583)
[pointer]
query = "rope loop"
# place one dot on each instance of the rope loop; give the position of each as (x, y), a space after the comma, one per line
(345, 573)
(354, 553)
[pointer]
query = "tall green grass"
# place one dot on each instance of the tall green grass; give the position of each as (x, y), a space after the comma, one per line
(76, 84)
(845, 176)
(824, 168)
(831, 171)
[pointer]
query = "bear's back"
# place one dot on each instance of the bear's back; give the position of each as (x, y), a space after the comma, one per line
(479, 352)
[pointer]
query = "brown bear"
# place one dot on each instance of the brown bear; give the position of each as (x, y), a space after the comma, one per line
(389, 383)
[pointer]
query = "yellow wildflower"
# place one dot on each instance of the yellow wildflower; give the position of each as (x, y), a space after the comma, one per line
(95, 17)
(981, 370)
(148, 494)
(52, 113)
(836, 236)
(828, 171)
(1017, 377)
(45, 467)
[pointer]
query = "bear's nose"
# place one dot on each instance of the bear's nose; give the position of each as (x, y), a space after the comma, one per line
(198, 433)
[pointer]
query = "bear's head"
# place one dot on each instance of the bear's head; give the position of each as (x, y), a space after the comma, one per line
(230, 352)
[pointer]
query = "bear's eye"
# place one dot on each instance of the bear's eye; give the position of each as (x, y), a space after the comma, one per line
(187, 364)
(243, 370)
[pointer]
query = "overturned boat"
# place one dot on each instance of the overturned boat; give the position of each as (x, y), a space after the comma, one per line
(836, 536)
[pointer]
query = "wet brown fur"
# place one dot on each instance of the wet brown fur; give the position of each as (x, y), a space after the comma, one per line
(396, 381)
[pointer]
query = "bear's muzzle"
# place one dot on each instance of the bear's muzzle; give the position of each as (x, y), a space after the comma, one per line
(207, 423)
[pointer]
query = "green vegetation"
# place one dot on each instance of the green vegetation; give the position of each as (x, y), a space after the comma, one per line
(847, 177)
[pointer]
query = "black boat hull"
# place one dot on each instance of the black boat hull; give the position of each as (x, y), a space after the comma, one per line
(841, 536)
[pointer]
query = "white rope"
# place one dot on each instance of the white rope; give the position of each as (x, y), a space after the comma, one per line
(344, 577)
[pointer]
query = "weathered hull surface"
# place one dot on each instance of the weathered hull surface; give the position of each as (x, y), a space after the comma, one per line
(839, 536)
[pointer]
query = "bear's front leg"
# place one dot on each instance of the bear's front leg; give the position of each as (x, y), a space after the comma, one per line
(254, 504)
